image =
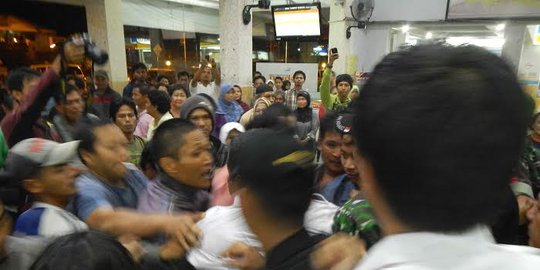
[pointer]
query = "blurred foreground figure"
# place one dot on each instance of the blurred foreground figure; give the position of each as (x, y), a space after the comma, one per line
(434, 179)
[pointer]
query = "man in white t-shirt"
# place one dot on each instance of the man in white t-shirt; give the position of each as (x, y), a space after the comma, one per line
(206, 79)
(224, 226)
(435, 181)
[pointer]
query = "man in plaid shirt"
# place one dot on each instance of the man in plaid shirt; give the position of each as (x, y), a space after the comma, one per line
(299, 78)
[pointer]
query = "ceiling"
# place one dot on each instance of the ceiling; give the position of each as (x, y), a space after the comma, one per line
(443, 30)
(215, 3)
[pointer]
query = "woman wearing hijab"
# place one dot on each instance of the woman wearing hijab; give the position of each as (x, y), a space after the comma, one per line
(279, 97)
(227, 106)
(238, 98)
(260, 105)
(220, 186)
(307, 121)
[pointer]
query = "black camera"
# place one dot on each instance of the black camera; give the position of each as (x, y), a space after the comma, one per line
(92, 51)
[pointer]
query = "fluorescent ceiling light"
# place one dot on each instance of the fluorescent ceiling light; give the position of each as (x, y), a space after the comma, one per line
(481, 42)
(405, 28)
(214, 4)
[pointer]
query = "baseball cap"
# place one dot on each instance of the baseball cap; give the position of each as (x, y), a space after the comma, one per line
(344, 123)
(266, 156)
(101, 73)
(25, 158)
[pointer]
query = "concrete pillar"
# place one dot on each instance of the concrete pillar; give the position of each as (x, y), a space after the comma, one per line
(105, 26)
(370, 45)
(337, 39)
(514, 34)
(236, 45)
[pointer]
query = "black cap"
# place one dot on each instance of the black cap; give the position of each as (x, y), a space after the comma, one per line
(263, 88)
(263, 157)
(344, 123)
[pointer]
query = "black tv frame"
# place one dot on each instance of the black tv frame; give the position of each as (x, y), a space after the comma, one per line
(297, 38)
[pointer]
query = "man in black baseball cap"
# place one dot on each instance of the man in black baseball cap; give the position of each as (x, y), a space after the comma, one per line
(277, 175)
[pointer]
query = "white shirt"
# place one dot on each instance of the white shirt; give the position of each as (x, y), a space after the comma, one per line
(210, 89)
(223, 226)
(152, 128)
(471, 250)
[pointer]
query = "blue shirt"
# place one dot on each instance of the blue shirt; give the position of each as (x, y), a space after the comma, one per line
(95, 193)
(337, 191)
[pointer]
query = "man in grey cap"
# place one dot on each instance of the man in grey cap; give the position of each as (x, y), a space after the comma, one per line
(103, 95)
(45, 170)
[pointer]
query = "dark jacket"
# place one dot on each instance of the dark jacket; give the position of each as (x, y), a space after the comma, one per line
(294, 253)
(24, 121)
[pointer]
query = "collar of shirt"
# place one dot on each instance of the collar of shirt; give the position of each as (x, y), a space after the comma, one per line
(46, 205)
(424, 247)
(142, 113)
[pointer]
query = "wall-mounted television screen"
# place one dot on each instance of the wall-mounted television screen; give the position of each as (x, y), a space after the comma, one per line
(489, 9)
(297, 22)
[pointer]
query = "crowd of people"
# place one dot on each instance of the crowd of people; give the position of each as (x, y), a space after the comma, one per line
(396, 174)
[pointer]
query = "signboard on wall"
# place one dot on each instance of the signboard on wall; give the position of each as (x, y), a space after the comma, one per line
(286, 70)
(483, 9)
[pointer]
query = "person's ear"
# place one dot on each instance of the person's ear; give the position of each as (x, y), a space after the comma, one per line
(87, 157)
(168, 164)
(33, 186)
(59, 107)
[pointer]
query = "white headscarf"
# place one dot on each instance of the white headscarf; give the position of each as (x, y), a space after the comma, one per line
(227, 128)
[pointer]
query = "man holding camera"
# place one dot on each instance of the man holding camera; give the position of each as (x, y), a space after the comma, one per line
(344, 83)
(22, 122)
(206, 79)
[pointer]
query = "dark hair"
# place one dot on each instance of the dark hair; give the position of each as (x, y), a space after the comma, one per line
(161, 100)
(182, 73)
(61, 97)
(169, 137)
(252, 162)
(421, 121)
(17, 77)
(299, 72)
(6, 100)
(327, 124)
(116, 105)
(162, 85)
(143, 88)
(147, 157)
(159, 77)
(344, 78)
(89, 250)
(259, 77)
(285, 83)
(138, 66)
(178, 86)
(79, 83)
(85, 133)
(272, 119)
(278, 78)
